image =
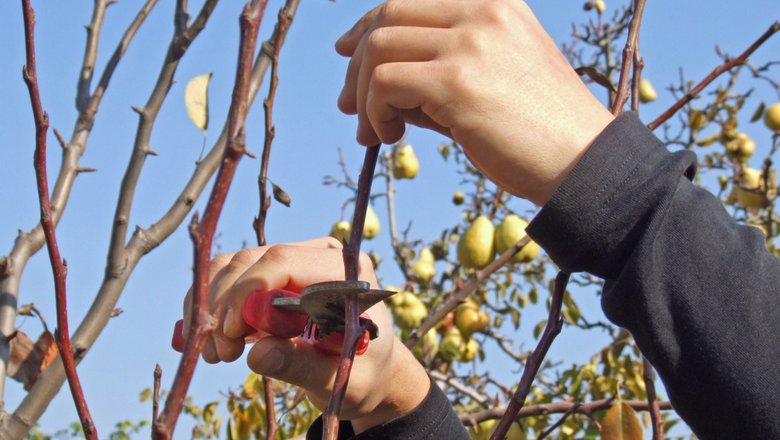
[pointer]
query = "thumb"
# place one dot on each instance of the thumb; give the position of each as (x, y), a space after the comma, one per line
(294, 361)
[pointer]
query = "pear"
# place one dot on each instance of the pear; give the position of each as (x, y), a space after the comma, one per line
(600, 6)
(469, 351)
(423, 268)
(405, 163)
(428, 345)
(371, 225)
(409, 310)
(450, 345)
(509, 232)
(749, 192)
(772, 117)
(458, 198)
(341, 230)
(646, 91)
(476, 248)
(470, 319)
(741, 148)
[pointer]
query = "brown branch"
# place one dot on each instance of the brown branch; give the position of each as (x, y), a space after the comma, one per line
(29, 243)
(58, 265)
(156, 391)
(462, 293)
(90, 53)
(534, 362)
(558, 422)
(202, 232)
(652, 400)
(460, 387)
(353, 330)
(557, 408)
(143, 241)
(741, 59)
(273, 49)
(270, 409)
(621, 97)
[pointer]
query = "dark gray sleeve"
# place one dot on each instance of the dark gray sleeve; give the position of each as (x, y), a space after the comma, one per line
(698, 291)
(433, 419)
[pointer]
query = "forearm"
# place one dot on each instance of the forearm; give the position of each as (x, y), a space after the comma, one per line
(698, 291)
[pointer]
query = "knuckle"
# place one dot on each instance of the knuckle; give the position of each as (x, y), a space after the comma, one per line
(497, 13)
(333, 243)
(378, 39)
(365, 261)
(278, 253)
(381, 78)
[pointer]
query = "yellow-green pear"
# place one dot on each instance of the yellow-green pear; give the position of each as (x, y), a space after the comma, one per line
(341, 230)
(470, 319)
(647, 91)
(469, 351)
(741, 148)
(749, 192)
(600, 6)
(772, 117)
(405, 163)
(458, 198)
(423, 269)
(512, 229)
(409, 310)
(451, 344)
(476, 248)
(371, 225)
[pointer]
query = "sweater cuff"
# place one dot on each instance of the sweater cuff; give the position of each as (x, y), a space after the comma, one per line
(591, 221)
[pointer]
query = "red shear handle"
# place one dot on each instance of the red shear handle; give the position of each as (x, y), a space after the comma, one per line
(260, 314)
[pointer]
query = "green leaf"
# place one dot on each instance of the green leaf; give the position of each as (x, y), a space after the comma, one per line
(621, 423)
(758, 113)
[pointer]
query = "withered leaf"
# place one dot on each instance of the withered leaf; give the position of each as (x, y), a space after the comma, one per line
(281, 196)
(28, 360)
(595, 76)
(621, 423)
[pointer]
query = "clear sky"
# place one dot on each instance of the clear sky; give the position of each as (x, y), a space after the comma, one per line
(309, 130)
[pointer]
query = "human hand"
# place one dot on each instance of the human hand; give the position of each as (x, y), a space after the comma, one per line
(385, 382)
(483, 72)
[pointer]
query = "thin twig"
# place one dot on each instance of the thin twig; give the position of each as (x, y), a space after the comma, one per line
(353, 330)
(551, 330)
(691, 94)
(628, 57)
(270, 408)
(156, 391)
(462, 293)
(558, 422)
(202, 232)
(273, 49)
(557, 408)
(652, 400)
(454, 383)
(58, 265)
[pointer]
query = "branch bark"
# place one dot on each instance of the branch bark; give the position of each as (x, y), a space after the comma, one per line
(353, 329)
(741, 59)
(143, 241)
(27, 244)
(534, 362)
(621, 96)
(461, 294)
(202, 232)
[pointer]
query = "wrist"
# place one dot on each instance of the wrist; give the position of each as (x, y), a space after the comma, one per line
(407, 387)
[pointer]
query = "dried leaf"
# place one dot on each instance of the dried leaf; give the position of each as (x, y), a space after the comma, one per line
(596, 77)
(621, 423)
(281, 196)
(196, 100)
(28, 360)
(758, 113)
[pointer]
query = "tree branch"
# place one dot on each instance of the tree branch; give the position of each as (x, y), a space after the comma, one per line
(202, 232)
(27, 244)
(59, 270)
(143, 241)
(551, 330)
(628, 57)
(461, 294)
(273, 49)
(557, 408)
(741, 59)
(353, 329)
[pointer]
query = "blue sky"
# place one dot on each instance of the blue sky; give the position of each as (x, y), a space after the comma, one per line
(309, 130)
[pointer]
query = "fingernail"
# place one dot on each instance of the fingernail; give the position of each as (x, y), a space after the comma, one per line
(226, 324)
(271, 362)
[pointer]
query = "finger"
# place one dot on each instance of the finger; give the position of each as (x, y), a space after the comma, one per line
(293, 361)
(384, 45)
(403, 86)
(290, 268)
(418, 118)
(423, 13)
